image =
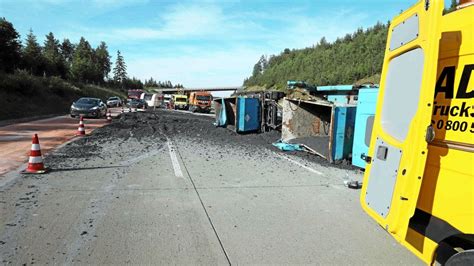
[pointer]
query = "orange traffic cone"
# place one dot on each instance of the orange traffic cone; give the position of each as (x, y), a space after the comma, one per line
(81, 131)
(109, 116)
(35, 162)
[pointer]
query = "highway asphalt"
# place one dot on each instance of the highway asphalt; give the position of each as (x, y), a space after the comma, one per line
(170, 192)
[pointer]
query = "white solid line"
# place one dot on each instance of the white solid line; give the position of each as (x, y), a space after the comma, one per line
(174, 161)
(300, 164)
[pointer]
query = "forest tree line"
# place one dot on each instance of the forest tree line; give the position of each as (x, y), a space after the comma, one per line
(347, 60)
(74, 62)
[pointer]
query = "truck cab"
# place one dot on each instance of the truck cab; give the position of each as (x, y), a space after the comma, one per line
(200, 101)
(180, 101)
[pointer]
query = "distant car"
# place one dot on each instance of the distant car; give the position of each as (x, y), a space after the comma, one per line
(114, 102)
(88, 107)
(137, 103)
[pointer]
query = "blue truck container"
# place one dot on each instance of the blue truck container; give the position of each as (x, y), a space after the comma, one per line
(332, 88)
(366, 104)
(343, 132)
(247, 115)
(339, 94)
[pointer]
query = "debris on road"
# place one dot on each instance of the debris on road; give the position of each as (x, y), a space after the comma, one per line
(284, 146)
(99, 180)
(353, 184)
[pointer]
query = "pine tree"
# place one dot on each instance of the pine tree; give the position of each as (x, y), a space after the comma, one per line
(120, 69)
(67, 50)
(103, 61)
(257, 69)
(83, 65)
(151, 83)
(33, 59)
(10, 46)
(55, 64)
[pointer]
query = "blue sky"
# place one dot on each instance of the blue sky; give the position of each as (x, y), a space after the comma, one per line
(197, 43)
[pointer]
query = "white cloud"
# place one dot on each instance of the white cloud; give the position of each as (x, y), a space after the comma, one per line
(192, 22)
(219, 68)
(228, 67)
(200, 66)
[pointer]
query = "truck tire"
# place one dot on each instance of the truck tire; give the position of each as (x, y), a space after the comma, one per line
(462, 258)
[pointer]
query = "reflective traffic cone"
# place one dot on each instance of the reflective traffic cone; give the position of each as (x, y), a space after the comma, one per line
(109, 116)
(122, 110)
(81, 131)
(35, 162)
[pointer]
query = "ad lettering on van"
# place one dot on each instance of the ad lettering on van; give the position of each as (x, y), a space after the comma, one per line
(453, 110)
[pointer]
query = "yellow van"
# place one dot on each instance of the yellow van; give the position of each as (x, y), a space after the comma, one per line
(419, 180)
(180, 101)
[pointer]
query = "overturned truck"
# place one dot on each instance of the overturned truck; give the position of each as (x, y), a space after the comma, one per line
(324, 128)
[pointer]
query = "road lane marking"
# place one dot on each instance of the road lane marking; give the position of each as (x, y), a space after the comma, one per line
(300, 164)
(202, 203)
(174, 160)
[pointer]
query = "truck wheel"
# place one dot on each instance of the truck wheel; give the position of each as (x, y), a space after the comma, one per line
(462, 258)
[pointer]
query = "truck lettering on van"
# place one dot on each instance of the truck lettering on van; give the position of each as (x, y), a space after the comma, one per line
(461, 109)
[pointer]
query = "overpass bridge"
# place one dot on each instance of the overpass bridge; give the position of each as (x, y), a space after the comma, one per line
(211, 89)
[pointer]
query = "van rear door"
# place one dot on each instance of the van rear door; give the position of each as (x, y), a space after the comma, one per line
(398, 147)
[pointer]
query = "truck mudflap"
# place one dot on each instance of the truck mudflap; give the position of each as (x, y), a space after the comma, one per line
(398, 147)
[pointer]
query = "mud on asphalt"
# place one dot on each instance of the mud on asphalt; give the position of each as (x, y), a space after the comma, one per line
(127, 140)
(155, 127)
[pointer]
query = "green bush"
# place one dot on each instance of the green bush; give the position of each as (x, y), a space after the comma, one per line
(23, 95)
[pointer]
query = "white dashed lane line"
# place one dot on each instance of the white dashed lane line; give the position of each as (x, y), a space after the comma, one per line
(174, 160)
(300, 164)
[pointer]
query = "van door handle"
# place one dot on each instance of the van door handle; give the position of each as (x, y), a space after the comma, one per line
(430, 134)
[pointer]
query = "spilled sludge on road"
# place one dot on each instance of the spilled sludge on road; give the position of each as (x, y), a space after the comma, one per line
(118, 196)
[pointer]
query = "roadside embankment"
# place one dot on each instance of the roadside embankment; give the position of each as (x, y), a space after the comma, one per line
(23, 95)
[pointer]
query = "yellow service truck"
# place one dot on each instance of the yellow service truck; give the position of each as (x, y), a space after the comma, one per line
(419, 180)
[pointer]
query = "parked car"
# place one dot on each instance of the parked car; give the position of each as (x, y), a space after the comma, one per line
(114, 102)
(88, 107)
(137, 103)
